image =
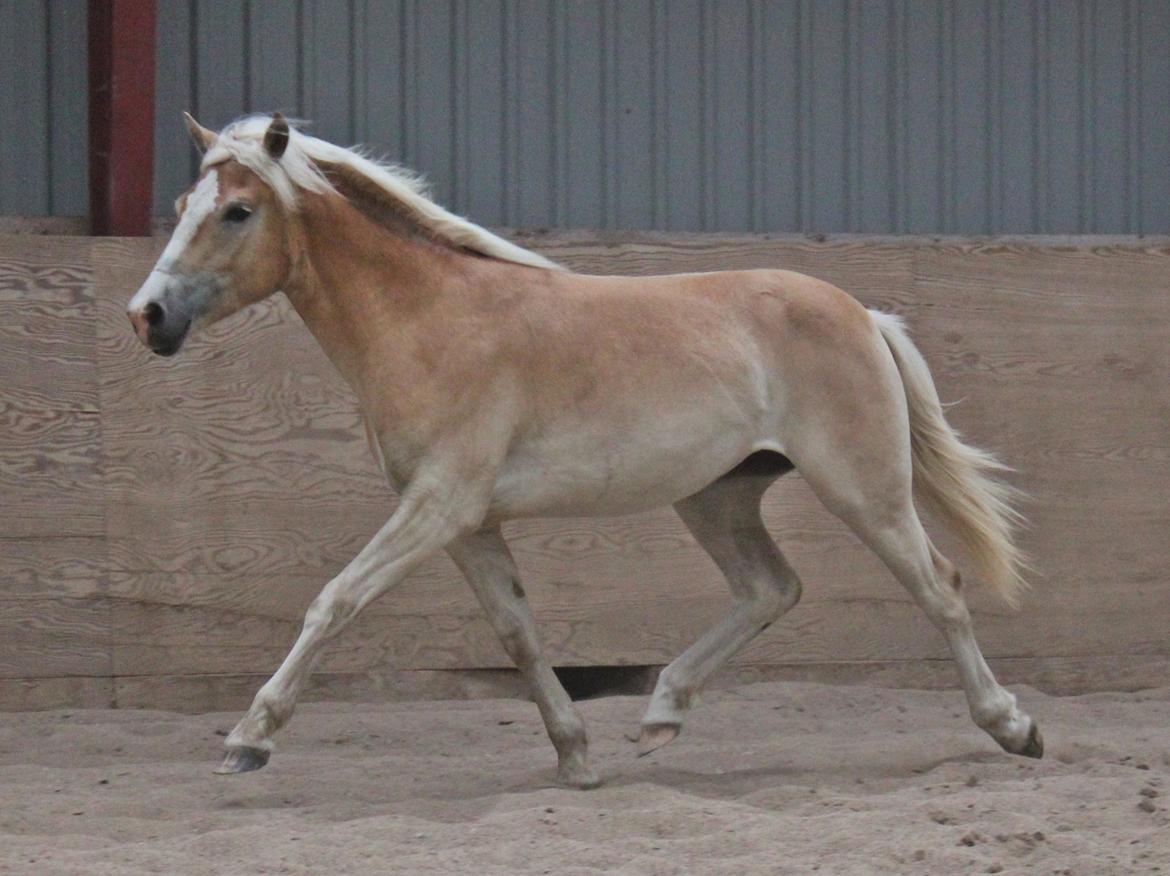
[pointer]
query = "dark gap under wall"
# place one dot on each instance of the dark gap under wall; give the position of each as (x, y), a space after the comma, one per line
(590, 682)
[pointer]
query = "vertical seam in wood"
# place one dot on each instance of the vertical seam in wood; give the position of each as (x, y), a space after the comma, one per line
(103, 457)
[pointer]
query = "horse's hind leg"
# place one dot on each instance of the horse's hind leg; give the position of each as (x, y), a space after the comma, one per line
(485, 560)
(876, 504)
(935, 585)
(725, 519)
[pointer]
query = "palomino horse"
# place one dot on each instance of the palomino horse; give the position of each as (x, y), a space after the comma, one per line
(495, 384)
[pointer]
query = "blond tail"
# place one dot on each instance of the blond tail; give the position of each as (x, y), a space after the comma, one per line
(955, 479)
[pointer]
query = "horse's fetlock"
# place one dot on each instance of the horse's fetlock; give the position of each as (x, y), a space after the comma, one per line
(992, 716)
(673, 692)
(569, 737)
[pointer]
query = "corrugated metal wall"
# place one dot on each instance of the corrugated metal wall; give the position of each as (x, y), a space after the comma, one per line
(43, 133)
(963, 116)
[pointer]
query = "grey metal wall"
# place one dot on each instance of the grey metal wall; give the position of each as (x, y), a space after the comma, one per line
(43, 121)
(951, 116)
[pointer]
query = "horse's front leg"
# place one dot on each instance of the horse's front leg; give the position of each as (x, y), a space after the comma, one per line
(485, 560)
(422, 525)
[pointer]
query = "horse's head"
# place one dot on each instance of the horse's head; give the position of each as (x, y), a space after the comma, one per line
(229, 249)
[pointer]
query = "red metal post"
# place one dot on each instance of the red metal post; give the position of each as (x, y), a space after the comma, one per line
(121, 116)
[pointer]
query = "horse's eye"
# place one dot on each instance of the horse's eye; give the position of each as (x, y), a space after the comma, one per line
(236, 213)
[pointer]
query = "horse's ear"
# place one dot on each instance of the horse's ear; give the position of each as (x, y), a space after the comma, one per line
(276, 137)
(200, 136)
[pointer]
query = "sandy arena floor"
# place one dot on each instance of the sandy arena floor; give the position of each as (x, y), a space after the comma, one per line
(767, 778)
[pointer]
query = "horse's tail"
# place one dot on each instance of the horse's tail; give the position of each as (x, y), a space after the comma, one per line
(955, 479)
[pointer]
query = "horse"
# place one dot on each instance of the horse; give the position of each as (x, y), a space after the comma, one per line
(496, 384)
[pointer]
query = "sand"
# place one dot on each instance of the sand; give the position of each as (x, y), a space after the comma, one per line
(766, 778)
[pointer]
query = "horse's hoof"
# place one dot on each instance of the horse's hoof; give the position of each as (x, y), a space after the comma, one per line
(654, 736)
(242, 760)
(1034, 747)
(581, 779)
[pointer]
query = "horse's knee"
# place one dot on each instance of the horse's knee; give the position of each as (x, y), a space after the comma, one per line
(328, 613)
(319, 614)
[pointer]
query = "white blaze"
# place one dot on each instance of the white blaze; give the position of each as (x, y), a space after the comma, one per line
(200, 205)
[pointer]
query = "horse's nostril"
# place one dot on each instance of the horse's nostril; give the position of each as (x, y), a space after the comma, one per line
(153, 313)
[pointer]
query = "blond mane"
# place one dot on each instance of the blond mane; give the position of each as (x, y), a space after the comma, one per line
(300, 168)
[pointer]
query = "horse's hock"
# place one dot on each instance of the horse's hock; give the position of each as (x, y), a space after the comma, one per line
(165, 523)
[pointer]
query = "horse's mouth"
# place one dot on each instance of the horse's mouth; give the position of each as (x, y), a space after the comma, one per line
(167, 349)
(169, 344)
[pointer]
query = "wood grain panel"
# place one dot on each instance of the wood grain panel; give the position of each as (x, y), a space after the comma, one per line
(49, 427)
(54, 637)
(233, 692)
(238, 481)
(50, 473)
(61, 692)
(37, 567)
(46, 323)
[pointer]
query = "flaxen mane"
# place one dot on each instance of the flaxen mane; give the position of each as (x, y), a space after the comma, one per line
(308, 162)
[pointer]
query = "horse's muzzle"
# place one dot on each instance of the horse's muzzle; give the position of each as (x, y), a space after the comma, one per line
(156, 329)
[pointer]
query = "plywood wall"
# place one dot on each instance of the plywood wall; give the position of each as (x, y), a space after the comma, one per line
(164, 523)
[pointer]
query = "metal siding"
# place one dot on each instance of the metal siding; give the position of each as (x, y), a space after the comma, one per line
(679, 157)
(1154, 125)
(25, 171)
(871, 168)
(964, 116)
(1015, 207)
(632, 59)
(581, 85)
(174, 92)
(271, 57)
(68, 132)
(533, 143)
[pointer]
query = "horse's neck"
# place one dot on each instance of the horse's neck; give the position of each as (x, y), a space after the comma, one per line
(357, 283)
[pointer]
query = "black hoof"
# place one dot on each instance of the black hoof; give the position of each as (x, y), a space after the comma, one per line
(242, 760)
(1035, 744)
